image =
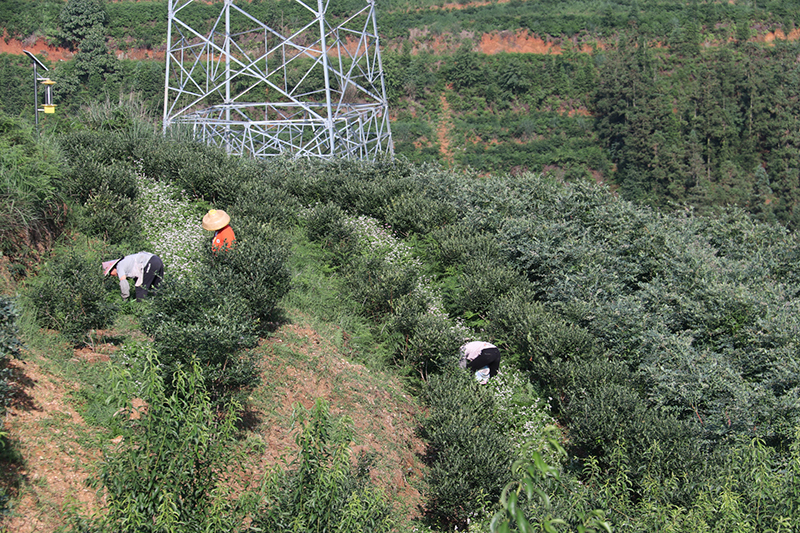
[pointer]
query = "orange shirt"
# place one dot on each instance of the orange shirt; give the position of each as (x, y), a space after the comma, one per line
(223, 237)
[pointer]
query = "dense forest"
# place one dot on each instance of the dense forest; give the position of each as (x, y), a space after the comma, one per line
(617, 215)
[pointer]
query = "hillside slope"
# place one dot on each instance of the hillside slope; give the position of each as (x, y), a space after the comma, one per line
(59, 451)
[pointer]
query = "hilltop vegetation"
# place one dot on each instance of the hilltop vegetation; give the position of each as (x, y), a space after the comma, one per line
(619, 219)
(665, 343)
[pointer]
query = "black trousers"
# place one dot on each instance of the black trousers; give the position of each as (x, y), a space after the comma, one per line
(489, 357)
(153, 274)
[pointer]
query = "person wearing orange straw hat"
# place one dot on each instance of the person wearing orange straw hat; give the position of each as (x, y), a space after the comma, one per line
(218, 221)
(146, 268)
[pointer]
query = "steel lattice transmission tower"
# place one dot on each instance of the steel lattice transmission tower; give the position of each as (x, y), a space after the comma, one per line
(309, 86)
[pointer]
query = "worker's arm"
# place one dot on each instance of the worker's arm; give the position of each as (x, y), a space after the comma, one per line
(124, 288)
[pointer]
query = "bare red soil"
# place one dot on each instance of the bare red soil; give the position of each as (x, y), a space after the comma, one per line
(521, 42)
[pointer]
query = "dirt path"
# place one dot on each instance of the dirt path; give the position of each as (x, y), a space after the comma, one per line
(50, 436)
(443, 128)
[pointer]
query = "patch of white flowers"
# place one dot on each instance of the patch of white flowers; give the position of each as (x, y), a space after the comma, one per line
(169, 225)
(378, 240)
(525, 414)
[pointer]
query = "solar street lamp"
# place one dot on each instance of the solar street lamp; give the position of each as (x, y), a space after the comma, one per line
(48, 106)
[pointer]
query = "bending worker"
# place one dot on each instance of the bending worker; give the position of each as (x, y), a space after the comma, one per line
(146, 268)
(478, 354)
(218, 221)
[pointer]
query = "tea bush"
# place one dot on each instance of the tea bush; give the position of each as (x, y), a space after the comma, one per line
(204, 320)
(10, 346)
(329, 226)
(87, 175)
(378, 284)
(426, 342)
(260, 201)
(68, 293)
(254, 270)
(480, 284)
(458, 243)
(323, 491)
(414, 213)
(469, 456)
(199, 170)
(112, 217)
(531, 332)
(525, 414)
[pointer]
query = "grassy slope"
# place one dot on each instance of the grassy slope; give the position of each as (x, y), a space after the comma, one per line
(60, 422)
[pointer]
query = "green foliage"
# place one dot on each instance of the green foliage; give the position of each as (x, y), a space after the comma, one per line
(411, 213)
(254, 270)
(538, 482)
(29, 170)
(68, 294)
(523, 412)
(97, 159)
(80, 18)
(531, 332)
(480, 284)
(322, 490)
(9, 331)
(428, 341)
(9, 348)
(201, 319)
(469, 454)
(262, 202)
(95, 67)
(169, 471)
(113, 217)
(327, 224)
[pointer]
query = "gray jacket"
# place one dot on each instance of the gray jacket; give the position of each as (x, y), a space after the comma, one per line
(132, 266)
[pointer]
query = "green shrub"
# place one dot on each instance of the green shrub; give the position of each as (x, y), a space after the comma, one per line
(10, 344)
(323, 491)
(328, 225)
(428, 342)
(96, 159)
(378, 284)
(480, 285)
(533, 500)
(9, 348)
(261, 202)
(415, 213)
(200, 170)
(171, 470)
(531, 333)
(68, 293)
(522, 410)
(203, 320)
(254, 268)
(458, 243)
(113, 217)
(469, 456)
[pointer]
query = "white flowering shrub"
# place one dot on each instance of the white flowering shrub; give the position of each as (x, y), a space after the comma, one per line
(524, 414)
(170, 224)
